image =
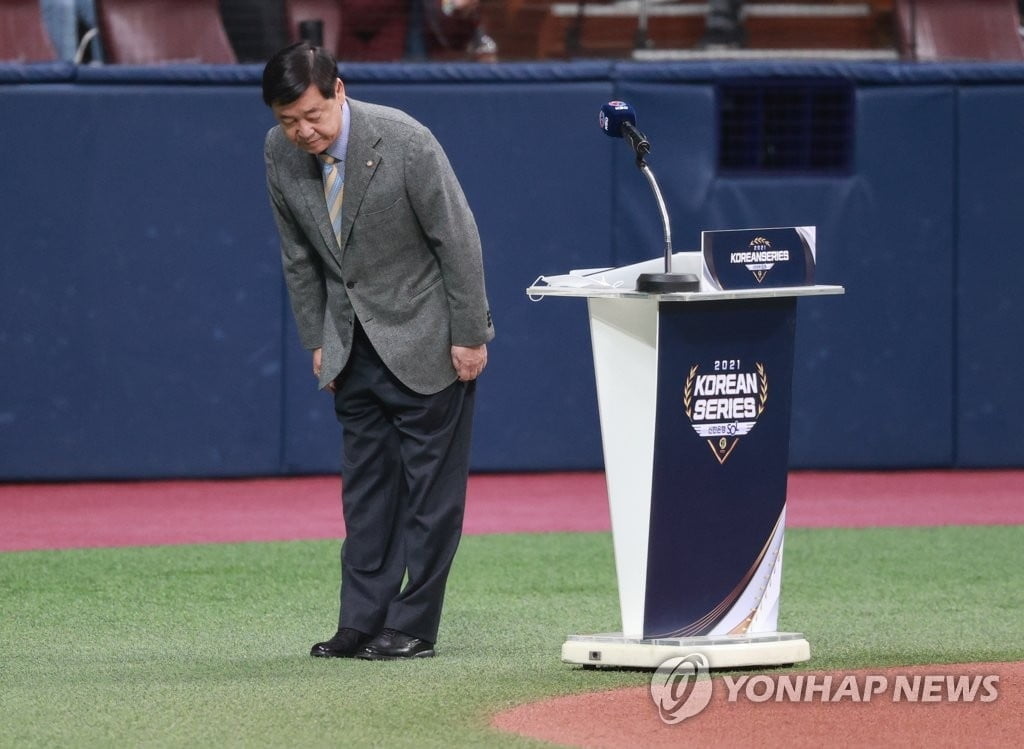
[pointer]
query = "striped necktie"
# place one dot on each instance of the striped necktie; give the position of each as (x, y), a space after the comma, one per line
(334, 191)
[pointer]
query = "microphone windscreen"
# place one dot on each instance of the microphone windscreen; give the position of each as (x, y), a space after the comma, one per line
(613, 115)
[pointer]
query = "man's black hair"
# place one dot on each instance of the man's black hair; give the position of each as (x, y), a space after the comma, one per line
(291, 71)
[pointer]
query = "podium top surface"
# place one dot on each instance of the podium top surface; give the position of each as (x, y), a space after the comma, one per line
(685, 296)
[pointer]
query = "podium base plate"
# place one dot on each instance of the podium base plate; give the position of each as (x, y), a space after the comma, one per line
(722, 651)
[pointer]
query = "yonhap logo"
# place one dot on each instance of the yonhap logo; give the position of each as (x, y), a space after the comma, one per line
(681, 687)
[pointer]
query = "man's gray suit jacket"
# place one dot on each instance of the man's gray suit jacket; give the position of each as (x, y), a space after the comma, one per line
(409, 261)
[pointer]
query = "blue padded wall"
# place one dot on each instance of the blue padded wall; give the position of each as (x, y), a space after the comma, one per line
(990, 310)
(873, 371)
(141, 296)
(144, 330)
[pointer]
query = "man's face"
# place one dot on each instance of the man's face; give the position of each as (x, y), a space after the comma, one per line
(312, 122)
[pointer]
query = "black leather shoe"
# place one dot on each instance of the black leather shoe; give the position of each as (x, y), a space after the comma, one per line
(391, 644)
(345, 644)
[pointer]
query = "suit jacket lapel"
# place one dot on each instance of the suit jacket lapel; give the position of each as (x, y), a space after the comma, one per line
(360, 164)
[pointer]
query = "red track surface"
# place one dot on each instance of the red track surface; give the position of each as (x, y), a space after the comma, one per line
(53, 516)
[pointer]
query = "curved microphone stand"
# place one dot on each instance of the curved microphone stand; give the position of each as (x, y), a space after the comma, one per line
(667, 282)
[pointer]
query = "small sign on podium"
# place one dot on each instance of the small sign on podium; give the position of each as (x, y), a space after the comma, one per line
(758, 258)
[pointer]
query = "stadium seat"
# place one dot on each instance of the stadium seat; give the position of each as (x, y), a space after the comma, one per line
(23, 37)
(373, 30)
(451, 37)
(327, 11)
(959, 30)
(146, 32)
(256, 28)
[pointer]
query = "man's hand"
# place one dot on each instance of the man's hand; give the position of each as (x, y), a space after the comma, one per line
(469, 361)
(318, 354)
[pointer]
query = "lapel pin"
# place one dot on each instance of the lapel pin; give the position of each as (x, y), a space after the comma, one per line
(369, 163)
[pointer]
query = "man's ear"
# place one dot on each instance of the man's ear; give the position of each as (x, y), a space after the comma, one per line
(339, 89)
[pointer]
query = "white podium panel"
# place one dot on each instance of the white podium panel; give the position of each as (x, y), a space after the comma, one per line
(625, 343)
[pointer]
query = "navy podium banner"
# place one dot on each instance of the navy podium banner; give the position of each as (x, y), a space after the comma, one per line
(721, 448)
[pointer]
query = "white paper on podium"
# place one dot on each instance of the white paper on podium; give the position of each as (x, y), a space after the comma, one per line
(624, 277)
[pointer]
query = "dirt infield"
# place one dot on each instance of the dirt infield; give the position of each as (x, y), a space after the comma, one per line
(888, 717)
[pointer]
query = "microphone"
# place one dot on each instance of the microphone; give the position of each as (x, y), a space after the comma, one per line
(618, 120)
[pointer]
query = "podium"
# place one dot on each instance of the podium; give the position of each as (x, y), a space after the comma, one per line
(694, 399)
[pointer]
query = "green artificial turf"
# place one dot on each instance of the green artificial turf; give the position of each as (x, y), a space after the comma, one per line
(208, 645)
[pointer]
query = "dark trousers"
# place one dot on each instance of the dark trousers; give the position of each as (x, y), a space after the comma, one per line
(404, 473)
